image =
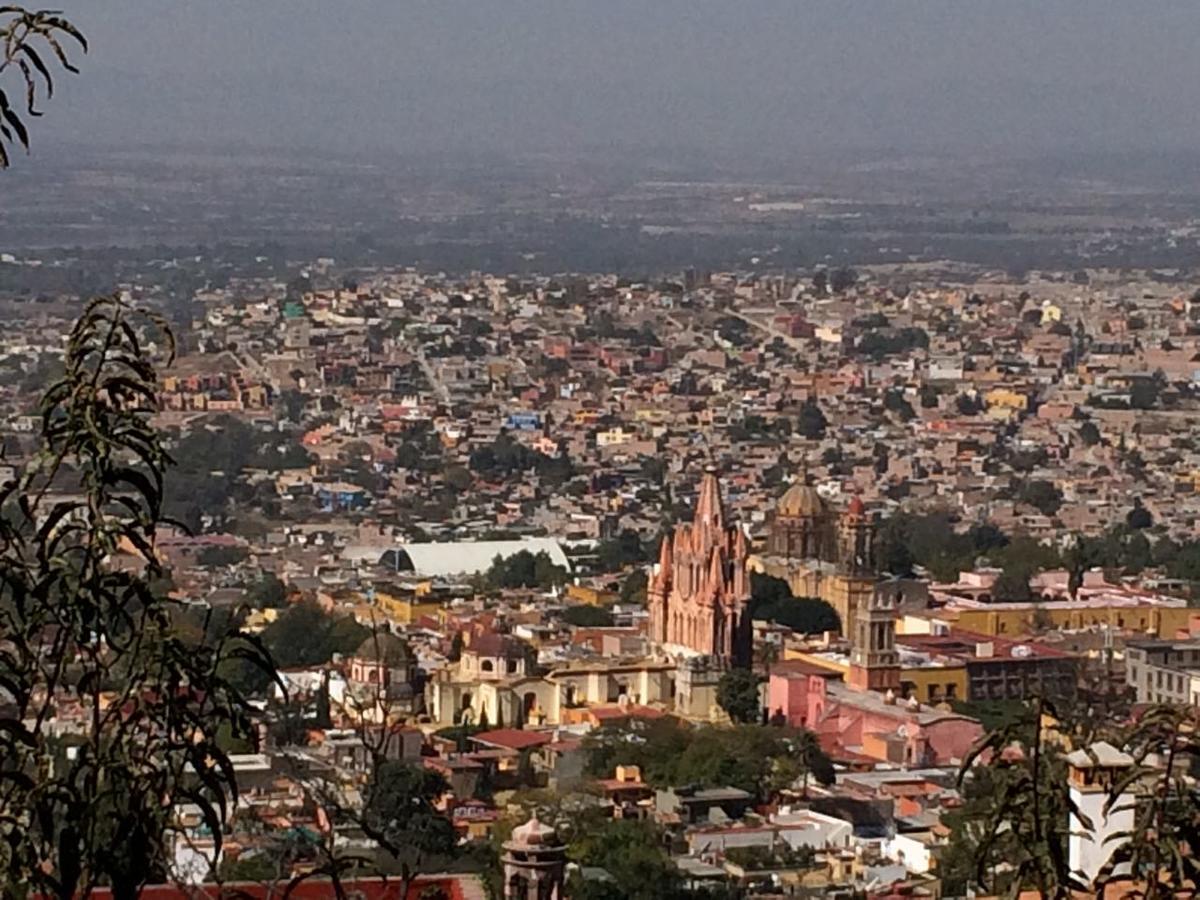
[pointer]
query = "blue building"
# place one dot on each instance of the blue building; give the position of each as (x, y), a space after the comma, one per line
(342, 497)
(524, 421)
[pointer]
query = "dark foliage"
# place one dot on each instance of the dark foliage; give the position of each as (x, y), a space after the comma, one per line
(74, 625)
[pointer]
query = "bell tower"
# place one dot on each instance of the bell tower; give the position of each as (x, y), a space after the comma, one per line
(856, 540)
(535, 863)
(874, 662)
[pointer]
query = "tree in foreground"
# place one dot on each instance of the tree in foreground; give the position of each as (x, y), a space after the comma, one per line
(28, 39)
(1011, 833)
(95, 805)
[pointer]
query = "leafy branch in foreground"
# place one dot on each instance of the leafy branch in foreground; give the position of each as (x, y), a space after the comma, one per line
(1159, 849)
(111, 717)
(1011, 833)
(27, 39)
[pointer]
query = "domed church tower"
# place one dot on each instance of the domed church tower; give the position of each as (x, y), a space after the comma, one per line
(800, 528)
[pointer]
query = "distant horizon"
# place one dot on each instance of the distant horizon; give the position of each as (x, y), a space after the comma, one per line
(769, 79)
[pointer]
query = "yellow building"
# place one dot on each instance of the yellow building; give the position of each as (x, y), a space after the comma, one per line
(1006, 399)
(406, 607)
(1051, 313)
(927, 684)
(590, 596)
(1011, 619)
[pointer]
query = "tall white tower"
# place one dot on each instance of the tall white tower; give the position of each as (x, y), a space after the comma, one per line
(1091, 774)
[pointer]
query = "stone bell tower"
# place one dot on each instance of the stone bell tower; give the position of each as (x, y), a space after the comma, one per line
(535, 863)
(874, 661)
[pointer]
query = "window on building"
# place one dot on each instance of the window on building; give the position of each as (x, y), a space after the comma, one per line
(487, 665)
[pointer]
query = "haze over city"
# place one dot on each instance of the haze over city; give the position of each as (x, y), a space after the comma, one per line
(555, 450)
(767, 77)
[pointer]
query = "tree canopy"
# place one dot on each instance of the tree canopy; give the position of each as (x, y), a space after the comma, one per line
(525, 570)
(585, 616)
(399, 814)
(756, 758)
(811, 423)
(771, 600)
(738, 695)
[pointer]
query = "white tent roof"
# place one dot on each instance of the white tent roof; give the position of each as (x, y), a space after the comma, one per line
(446, 558)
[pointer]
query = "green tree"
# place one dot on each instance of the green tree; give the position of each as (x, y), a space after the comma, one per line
(220, 556)
(399, 814)
(525, 570)
(1011, 832)
(1089, 434)
(771, 600)
(633, 588)
(1145, 392)
(74, 625)
(842, 279)
(626, 549)
(266, 592)
(738, 695)
(1043, 495)
(1012, 585)
(633, 853)
(1139, 517)
(811, 423)
(585, 616)
(458, 479)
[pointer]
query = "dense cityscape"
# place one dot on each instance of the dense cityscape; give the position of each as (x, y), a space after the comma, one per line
(497, 523)
(559, 526)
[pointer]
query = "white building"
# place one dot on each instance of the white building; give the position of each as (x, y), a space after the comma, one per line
(1091, 774)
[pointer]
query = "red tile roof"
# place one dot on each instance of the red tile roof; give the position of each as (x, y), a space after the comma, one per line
(512, 738)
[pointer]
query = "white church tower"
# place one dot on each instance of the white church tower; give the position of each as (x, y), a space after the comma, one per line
(1091, 775)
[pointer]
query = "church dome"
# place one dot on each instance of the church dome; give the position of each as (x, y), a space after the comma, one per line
(801, 501)
(534, 834)
(386, 648)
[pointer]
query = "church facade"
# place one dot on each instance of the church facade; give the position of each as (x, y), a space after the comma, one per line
(699, 594)
(820, 553)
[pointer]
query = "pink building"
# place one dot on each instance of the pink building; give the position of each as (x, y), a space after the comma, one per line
(870, 724)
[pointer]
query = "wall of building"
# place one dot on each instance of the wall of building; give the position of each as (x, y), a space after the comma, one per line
(934, 684)
(1163, 621)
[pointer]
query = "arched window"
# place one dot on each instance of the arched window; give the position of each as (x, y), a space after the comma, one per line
(510, 665)
(487, 665)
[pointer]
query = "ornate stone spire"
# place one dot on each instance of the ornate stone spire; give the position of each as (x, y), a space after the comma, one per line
(708, 504)
(664, 557)
(716, 570)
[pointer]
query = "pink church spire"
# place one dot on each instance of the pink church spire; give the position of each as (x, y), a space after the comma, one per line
(708, 506)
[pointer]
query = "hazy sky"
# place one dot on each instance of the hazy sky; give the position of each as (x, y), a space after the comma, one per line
(779, 75)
